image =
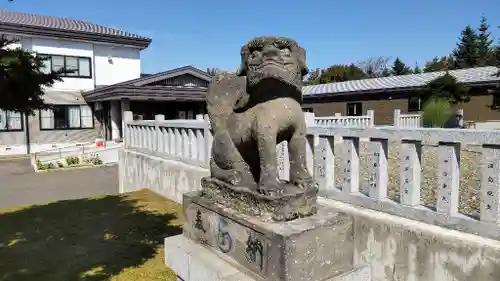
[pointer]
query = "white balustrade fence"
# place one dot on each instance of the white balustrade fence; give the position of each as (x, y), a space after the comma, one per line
(407, 120)
(346, 121)
(190, 141)
(449, 142)
(368, 120)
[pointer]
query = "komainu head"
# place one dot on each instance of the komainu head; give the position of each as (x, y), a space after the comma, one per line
(273, 64)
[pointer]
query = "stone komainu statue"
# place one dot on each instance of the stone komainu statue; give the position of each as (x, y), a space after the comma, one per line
(253, 110)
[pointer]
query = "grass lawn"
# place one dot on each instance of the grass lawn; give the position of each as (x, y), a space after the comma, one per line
(118, 238)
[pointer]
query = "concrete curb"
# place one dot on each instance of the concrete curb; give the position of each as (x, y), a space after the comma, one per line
(15, 157)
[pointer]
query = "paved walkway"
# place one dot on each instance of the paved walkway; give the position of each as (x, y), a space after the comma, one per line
(20, 185)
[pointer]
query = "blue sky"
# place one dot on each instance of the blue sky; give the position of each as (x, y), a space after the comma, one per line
(207, 33)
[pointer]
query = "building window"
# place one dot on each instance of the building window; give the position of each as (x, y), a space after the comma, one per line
(414, 103)
(10, 121)
(496, 101)
(354, 109)
(80, 66)
(308, 109)
(62, 117)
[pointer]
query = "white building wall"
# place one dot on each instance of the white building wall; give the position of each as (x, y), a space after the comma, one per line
(66, 48)
(111, 64)
(115, 64)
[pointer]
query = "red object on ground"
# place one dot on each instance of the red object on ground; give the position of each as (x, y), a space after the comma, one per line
(99, 143)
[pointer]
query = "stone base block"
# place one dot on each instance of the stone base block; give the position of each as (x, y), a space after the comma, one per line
(289, 203)
(193, 262)
(313, 248)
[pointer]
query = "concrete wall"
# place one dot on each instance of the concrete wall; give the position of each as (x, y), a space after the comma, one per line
(165, 177)
(401, 249)
(399, 239)
(397, 249)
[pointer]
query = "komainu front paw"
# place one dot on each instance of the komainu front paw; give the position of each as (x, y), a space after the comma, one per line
(270, 188)
(303, 182)
(234, 178)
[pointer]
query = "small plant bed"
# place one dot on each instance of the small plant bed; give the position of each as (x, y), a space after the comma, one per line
(91, 160)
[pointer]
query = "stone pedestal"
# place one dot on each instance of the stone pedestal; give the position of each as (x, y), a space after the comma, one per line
(314, 248)
(193, 262)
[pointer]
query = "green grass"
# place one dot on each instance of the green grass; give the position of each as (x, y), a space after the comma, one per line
(118, 238)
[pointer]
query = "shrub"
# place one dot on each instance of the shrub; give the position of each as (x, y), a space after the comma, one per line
(436, 113)
(59, 164)
(72, 160)
(92, 159)
(41, 166)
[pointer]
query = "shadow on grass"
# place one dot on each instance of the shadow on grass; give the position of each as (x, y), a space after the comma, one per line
(88, 239)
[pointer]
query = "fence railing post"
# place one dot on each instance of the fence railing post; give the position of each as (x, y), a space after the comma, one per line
(460, 118)
(128, 116)
(309, 118)
(397, 114)
(208, 140)
(371, 114)
(158, 118)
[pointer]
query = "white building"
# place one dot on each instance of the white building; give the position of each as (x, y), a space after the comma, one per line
(99, 55)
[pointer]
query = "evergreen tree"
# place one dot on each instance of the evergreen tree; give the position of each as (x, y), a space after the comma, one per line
(417, 69)
(22, 79)
(386, 72)
(446, 87)
(341, 73)
(466, 52)
(400, 68)
(497, 59)
(485, 51)
(439, 64)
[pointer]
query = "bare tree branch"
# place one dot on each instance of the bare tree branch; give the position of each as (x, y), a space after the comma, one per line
(374, 66)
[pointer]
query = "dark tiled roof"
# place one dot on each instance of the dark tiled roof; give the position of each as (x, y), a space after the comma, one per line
(469, 76)
(149, 78)
(169, 73)
(63, 24)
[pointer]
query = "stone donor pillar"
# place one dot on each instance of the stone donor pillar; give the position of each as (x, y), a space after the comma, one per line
(116, 120)
(245, 224)
(125, 107)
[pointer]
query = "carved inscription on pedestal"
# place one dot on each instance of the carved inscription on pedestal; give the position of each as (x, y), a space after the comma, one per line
(224, 240)
(255, 251)
(243, 244)
(198, 223)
